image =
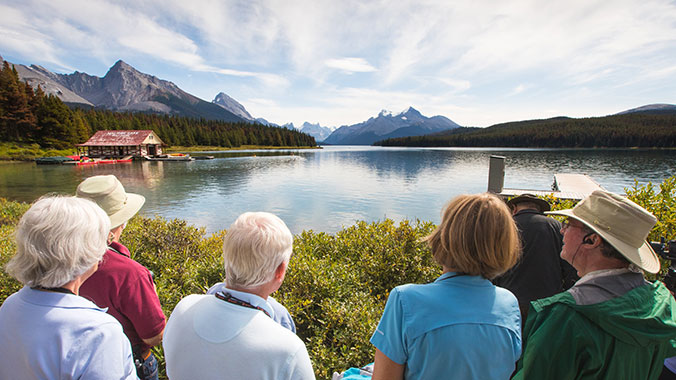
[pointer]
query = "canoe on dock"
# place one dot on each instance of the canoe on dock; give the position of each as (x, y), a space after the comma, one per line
(170, 157)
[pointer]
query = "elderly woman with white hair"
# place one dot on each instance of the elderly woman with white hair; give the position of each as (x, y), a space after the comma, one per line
(232, 334)
(48, 331)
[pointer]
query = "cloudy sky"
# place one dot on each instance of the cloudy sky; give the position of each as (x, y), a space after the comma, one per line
(476, 62)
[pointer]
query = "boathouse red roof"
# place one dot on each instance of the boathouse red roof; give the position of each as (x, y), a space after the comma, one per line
(121, 138)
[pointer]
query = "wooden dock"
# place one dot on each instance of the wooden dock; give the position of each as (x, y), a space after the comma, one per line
(565, 186)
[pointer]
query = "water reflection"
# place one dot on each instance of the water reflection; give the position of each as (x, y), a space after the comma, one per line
(327, 189)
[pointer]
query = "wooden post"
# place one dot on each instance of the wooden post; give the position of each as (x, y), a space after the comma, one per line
(496, 174)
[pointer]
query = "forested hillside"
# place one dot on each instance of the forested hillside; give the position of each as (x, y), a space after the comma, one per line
(628, 130)
(28, 116)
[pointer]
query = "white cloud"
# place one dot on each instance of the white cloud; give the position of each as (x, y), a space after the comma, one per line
(460, 56)
(350, 65)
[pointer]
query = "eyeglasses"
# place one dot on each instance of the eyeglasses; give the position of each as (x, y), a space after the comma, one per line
(567, 223)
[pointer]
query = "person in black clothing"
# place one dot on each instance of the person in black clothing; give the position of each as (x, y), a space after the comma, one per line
(540, 272)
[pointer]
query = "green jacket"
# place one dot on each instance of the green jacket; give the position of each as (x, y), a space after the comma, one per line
(627, 337)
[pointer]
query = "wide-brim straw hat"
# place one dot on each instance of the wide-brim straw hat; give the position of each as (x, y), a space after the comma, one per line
(621, 222)
(109, 194)
(541, 204)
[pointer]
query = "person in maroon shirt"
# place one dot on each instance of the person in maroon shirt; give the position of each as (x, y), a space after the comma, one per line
(121, 284)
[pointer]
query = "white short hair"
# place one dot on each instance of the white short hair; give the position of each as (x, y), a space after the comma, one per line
(254, 246)
(58, 239)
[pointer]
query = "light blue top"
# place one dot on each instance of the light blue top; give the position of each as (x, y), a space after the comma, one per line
(458, 327)
(275, 309)
(47, 335)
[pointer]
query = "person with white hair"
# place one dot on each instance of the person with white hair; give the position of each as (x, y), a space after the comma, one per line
(612, 324)
(122, 285)
(48, 331)
(232, 334)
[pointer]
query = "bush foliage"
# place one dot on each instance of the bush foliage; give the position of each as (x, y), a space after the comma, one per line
(337, 284)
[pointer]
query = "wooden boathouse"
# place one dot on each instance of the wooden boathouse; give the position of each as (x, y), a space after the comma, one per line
(121, 143)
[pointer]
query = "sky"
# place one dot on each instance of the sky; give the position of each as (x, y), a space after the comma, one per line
(336, 63)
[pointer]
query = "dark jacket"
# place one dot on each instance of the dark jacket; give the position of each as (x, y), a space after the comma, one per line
(540, 272)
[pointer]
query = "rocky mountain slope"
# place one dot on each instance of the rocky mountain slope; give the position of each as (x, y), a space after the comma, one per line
(231, 105)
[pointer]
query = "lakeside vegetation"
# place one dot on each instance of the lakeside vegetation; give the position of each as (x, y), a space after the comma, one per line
(337, 284)
(643, 130)
(35, 121)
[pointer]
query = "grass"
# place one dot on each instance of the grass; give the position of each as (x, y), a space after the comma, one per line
(29, 152)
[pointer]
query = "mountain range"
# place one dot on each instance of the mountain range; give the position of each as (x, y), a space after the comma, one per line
(124, 88)
(387, 125)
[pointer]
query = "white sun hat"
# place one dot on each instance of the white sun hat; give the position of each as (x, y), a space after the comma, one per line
(109, 194)
(621, 222)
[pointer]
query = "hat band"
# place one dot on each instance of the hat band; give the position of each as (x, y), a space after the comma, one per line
(630, 237)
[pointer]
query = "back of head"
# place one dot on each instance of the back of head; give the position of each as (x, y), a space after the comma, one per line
(254, 246)
(477, 236)
(57, 240)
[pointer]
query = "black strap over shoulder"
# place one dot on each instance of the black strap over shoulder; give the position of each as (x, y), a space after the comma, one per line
(227, 297)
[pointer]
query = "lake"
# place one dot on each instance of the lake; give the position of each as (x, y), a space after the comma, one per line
(327, 189)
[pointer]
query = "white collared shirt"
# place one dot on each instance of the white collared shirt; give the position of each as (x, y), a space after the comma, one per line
(61, 336)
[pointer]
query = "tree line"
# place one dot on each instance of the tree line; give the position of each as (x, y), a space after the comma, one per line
(31, 116)
(616, 131)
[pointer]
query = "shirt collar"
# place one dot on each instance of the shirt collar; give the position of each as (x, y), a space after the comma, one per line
(119, 248)
(55, 299)
(602, 273)
(252, 299)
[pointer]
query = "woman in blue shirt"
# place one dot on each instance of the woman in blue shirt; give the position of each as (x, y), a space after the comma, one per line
(460, 326)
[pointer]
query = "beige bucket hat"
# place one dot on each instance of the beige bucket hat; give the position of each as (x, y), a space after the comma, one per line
(109, 194)
(620, 222)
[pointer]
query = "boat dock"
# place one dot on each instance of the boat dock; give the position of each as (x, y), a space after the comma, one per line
(565, 186)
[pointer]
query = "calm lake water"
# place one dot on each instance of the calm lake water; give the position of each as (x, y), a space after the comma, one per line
(327, 189)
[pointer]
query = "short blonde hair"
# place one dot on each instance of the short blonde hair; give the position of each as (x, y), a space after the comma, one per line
(477, 236)
(58, 239)
(253, 247)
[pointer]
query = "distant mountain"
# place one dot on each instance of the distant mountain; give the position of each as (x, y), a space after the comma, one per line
(652, 108)
(386, 125)
(232, 105)
(260, 120)
(315, 130)
(124, 88)
(289, 126)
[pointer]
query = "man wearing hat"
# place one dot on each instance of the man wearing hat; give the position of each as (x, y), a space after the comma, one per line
(612, 324)
(540, 272)
(121, 284)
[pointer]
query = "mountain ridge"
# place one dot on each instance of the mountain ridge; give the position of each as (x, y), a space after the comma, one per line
(407, 123)
(123, 88)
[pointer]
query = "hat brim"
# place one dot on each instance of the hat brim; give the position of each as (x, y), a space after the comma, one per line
(131, 207)
(542, 204)
(644, 257)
